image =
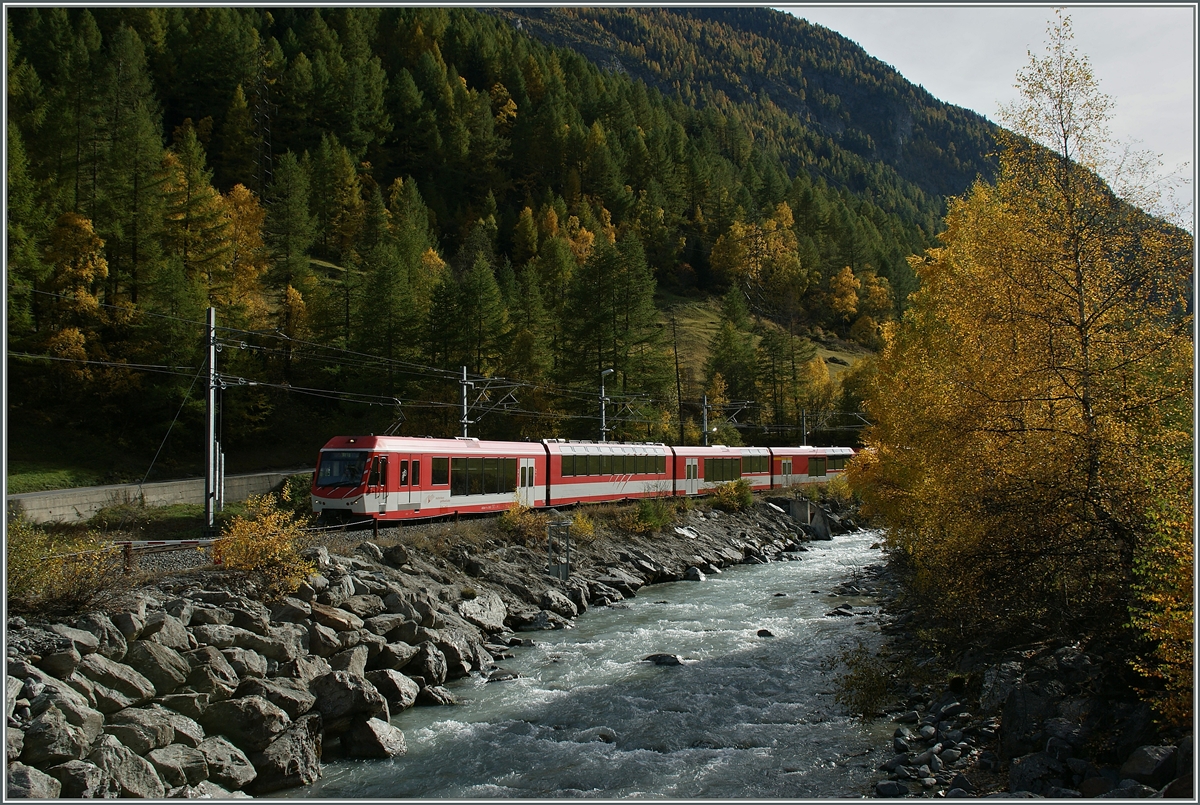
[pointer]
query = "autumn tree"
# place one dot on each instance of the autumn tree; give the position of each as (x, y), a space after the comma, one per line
(1031, 445)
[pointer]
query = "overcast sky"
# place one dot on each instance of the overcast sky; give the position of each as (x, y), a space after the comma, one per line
(1144, 57)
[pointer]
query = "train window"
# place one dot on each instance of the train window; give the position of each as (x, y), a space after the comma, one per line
(836, 463)
(508, 475)
(459, 477)
(341, 467)
(593, 465)
(643, 464)
(606, 465)
(816, 467)
(662, 465)
(441, 471)
(568, 466)
(416, 476)
(474, 476)
(378, 473)
(491, 476)
(403, 473)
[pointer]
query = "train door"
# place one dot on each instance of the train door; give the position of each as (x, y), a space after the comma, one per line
(377, 485)
(407, 478)
(692, 476)
(785, 472)
(526, 492)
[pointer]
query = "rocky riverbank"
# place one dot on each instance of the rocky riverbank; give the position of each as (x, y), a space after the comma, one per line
(193, 686)
(1057, 720)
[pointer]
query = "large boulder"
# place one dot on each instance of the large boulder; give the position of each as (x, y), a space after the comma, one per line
(373, 738)
(459, 650)
(1036, 773)
(245, 662)
(337, 619)
(82, 779)
(289, 695)
(435, 695)
(250, 722)
(228, 766)
(164, 667)
(392, 656)
(188, 704)
(364, 606)
(167, 629)
(558, 603)
(132, 687)
(1026, 707)
(429, 663)
(26, 782)
(292, 759)
(305, 668)
(211, 673)
(84, 641)
(142, 730)
(387, 625)
(1154, 766)
(52, 739)
(187, 729)
(352, 660)
(486, 610)
(400, 691)
(61, 663)
(179, 765)
(135, 775)
(342, 696)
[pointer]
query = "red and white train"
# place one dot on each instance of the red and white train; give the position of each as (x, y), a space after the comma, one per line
(402, 477)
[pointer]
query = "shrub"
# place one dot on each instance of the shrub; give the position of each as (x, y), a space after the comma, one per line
(297, 490)
(523, 522)
(266, 543)
(583, 528)
(57, 575)
(735, 496)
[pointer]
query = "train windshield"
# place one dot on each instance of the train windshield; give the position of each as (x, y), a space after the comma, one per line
(341, 467)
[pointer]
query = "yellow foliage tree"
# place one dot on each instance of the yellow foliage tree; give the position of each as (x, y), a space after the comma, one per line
(266, 542)
(1036, 399)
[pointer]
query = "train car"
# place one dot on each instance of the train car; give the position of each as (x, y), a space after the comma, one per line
(700, 470)
(804, 465)
(398, 477)
(756, 467)
(593, 471)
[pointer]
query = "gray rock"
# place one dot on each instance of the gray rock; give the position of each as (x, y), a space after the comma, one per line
(228, 766)
(251, 722)
(399, 691)
(352, 660)
(141, 729)
(323, 641)
(663, 659)
(246, 662)
(82, 779)
(387, 625)
(282, 643)
(435, 695)
(293, 759)
(392, 656)
(289, 695)
(1181, 787)
(251, 616)
(342, 696)
(211, 673)
(306, 669)
(61, 664)
(291, 610)
(998, 682)
(85, 642)
(187, 729)
(373, 738)
(693, 573)
(129, 624)
(888, 789)
(164, 667)
(179, 765)
(187, 704)
(219, 635)
(166, 629)
(51, 739)
(134, 775)
(26, 782)
(182, 610)
(1154, 766)
(459, 650)
(337, 619)
(207, 615)
(364, 606)
(429, 663)
(1024, 711)
(486, 610)
(14, 743)
(1037, 773)
(117, 677)
(558, 603)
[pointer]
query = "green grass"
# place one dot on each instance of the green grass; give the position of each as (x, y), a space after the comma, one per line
(27, 476)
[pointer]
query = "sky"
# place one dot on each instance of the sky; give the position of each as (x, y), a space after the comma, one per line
(1144, 57)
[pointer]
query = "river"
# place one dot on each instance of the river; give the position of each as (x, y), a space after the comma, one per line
(743, 717)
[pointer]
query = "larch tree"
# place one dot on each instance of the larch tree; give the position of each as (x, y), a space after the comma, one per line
(1032, 411)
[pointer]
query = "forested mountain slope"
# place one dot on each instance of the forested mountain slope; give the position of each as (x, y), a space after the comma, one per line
(375, 198)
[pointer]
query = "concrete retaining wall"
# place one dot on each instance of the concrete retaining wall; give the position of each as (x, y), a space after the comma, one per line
(78, 505)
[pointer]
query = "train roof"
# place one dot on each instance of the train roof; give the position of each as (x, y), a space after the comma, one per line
(429, 444)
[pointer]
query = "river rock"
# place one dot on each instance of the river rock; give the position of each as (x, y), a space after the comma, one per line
(61, 663)
(305, 668)
(373, 738)
(399, 691)
(205, 615)
(129, 624)
(435, 695)
(352, 660)
(251, 722)
(998, 682)
(486, 610)
(291, 610)
(211, 673)
(187, 729)
(179, 765)
(188, 704)
(251, 615)
(135, 775)
(164, 667)
(392, 656)
(117, 677)
(82, 779)
(289, 695)
(293, 759)
(693, 573)
(1036, 773)
(558, 603)
(342, 696)
(26, 782)
(888, 789)
(337, 619)
(428, 662)
(166, 629)
(1150, 765)
(459, 650)
(227, 765)
(52, 739)
(14, 743)
(663, 659)
(84, 641)
(364, 606)
(245, 662)
(142, 730)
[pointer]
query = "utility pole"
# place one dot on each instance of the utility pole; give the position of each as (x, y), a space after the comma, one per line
(706, 420)
(603, 400)
(465, 385)
(210, 409)
(678, 385)
(804, 426)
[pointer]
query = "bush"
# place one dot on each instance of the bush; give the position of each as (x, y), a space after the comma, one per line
(297, 490)
(583, 528)
(266, 543)
(523, 522)
(56, 575)
(735, 496)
